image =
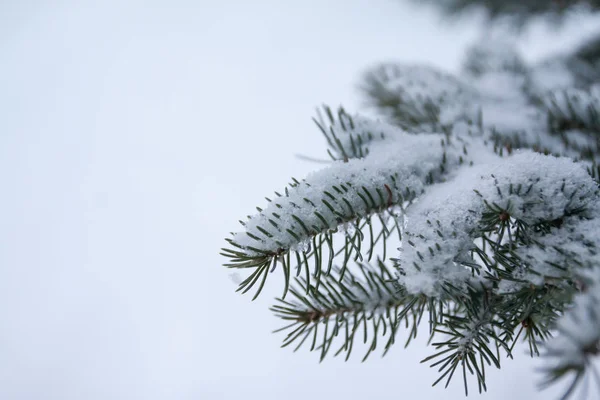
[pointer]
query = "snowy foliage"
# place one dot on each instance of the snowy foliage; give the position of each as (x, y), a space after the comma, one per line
(476, 203)
(578, 339)
(527, 187)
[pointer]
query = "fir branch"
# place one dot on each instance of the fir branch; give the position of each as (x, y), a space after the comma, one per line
(342, 306)
(350, 137)
(347, 195)
(404, 95)
(574, 115)
(490, 244)
(577, 344)
(364, 303)
(467, 342)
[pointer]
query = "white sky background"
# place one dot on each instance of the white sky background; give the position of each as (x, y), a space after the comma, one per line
(132, 139)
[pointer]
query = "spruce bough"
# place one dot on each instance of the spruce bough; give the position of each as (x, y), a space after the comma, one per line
(471, 211)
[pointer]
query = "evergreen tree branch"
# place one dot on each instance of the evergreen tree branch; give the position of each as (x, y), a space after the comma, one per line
(490, 243)
(343, 305)
(295, 227)
(350, 137)
(504, 209)
(577, 345)
(404, 95)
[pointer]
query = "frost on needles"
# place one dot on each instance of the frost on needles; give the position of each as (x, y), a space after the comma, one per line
(473, 206)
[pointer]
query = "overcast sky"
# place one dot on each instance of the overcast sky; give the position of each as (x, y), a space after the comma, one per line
(133, 136)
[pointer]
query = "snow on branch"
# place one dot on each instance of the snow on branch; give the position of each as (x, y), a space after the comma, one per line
(577, 343)
(527, 188)
(505, 101)
(414, 97)
(575, 109)
(342, 197)
(491, 231)
(351, 136)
